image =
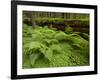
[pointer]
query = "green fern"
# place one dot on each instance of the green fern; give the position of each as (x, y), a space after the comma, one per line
(46, 47)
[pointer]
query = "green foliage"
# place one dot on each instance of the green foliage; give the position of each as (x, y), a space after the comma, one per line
(60, 35)
(49, 20)
(33, 58)
(46, 47)
(68, 30)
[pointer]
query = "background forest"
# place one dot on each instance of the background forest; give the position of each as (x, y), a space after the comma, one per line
(54, 39)
(78, 21)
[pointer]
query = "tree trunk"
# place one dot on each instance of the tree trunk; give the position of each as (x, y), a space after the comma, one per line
(33, 19)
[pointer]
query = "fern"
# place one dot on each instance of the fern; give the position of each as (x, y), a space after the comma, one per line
(60, 35)
(33, 58)
(68, 30)
(46, 47)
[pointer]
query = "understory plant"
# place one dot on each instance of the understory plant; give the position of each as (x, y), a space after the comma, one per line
(47, 47)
